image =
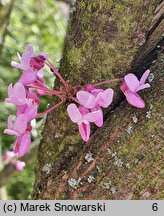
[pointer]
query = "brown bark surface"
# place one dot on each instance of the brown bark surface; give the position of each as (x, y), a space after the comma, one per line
(106, 40)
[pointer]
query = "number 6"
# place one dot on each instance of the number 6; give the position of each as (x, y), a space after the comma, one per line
(155, 207)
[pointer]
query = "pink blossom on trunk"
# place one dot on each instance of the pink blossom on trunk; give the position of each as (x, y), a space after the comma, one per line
(17, 94)
(82, 116)
(19, 126)
(131, 85)
(22, 144)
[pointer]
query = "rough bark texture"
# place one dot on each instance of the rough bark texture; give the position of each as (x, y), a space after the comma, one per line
(106, 39)
(5, 11)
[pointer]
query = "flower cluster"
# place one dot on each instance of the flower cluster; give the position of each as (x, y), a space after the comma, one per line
(90, 102)
(10, 157)
(87, 102)
(24, 99)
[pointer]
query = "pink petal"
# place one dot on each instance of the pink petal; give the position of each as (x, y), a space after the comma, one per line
(31, 112)
(83, 110)
(74, 113)
(10, 123)
(132, 82)
(86, 99)
(17, 144)
(92, 116)
(135, 100)
(21, 109)
(14, 100)
(30, 49)
(24, 145)
(95, 92)
(33, 96)
(99, 122)
(84, 130)
(40, 73)
(123, 87)
(28, 77)
(20, 124)
(25, 60)
(11, 132)
(19, 91)
(143, 86)
(43, 54)
(16, 64)
(105, 98)
(144, 77)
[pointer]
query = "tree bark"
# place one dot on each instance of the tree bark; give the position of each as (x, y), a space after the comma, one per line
(105, 40)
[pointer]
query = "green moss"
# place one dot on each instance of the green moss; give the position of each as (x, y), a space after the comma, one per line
(74, 56)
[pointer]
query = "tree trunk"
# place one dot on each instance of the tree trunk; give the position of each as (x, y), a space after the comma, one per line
(5, 11)
(105, 40)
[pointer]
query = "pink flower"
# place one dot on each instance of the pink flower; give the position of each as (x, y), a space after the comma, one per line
(95, 99)
(29, 76)
(19, 126)
(31, 112)
(86, 99)
(27, 105)
(131, 85)
(29, 109)
(20, 165)
(104, 98)
(10, 158)
(99, 122)
(31, 65)
(82, 117)
(25, 59)
(21, 130)
(28, 59)
(22, 144)
(17, 94)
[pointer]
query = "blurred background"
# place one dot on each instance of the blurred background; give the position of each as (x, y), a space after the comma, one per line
(43, 23)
